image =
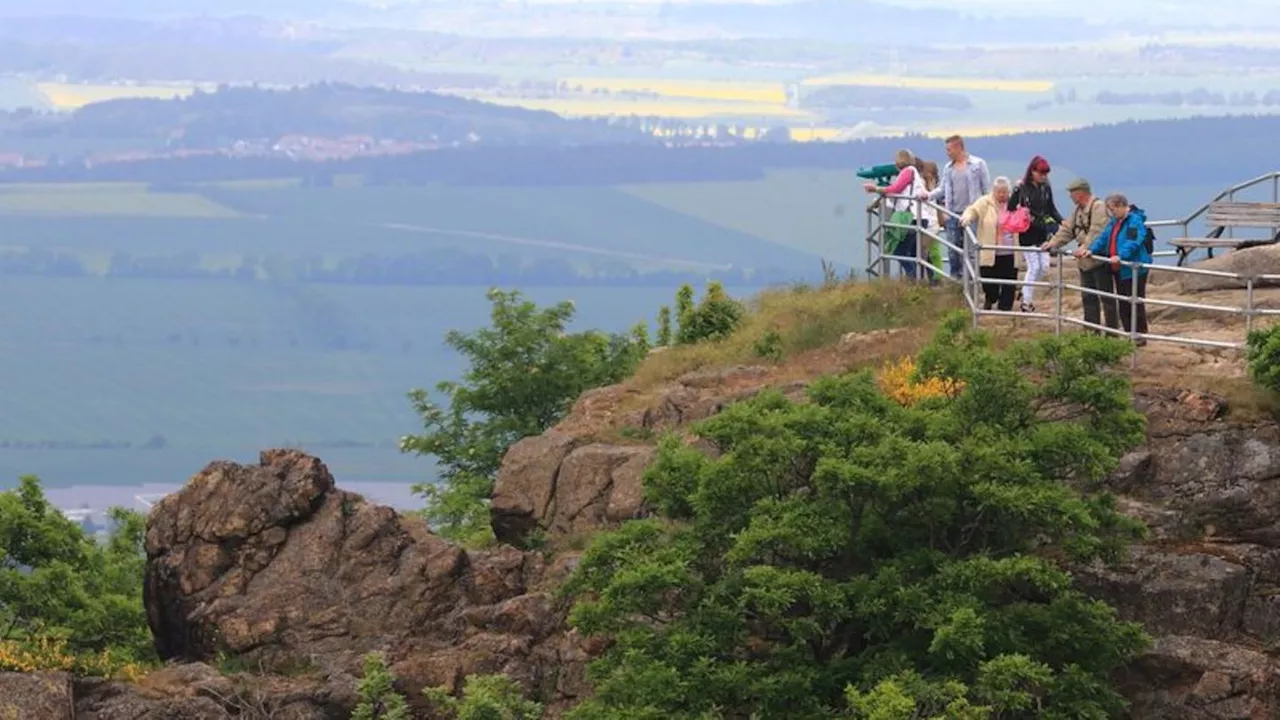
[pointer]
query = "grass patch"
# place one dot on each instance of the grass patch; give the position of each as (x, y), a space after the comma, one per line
(795, 321)
(934, 83)
(1246, 401)
(137, 204)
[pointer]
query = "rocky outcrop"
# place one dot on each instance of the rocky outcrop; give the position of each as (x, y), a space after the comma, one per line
(46, 696)
(275, 565)
(565, 482)
(1207, 585)
(196, 691)
(1191, 678)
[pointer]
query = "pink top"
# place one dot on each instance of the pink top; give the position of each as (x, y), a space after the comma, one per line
(1004, 238)
(905, 177)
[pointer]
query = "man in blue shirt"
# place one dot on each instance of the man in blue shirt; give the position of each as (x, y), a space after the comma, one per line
(965, 178)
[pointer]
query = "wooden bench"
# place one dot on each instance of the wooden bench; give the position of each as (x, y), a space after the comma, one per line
(1224, 215)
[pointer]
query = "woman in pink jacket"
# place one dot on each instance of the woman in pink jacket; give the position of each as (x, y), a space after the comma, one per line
(910, 183)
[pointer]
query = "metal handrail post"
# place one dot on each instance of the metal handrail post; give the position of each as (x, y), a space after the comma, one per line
(1248, 306)
(1231, 197)
(967, 273)
(871, 260)
(884, 261)
(1133, 313)
(1057, 300)
(919, 213)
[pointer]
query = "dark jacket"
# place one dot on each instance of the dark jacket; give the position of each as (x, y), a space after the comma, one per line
(1044, 213)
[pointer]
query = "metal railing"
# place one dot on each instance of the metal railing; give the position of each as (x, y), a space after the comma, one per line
(1129, 306)
(1228, 195)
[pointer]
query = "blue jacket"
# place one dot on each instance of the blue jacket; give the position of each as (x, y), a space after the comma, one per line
(1130, 245)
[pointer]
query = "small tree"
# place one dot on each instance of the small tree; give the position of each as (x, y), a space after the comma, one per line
(716, 316)
(870, 557)
(664, 326)
(487, 697)
(525, 373)
(58, 584)
(378, 697)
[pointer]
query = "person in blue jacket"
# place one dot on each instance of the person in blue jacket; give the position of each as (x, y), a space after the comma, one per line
(1124, 238)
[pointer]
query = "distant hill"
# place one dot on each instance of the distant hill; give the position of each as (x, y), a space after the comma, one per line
(152, 9)
(219, 119)
(867, 21)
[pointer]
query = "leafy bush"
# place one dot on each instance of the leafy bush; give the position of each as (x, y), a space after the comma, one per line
(44, 652)
(378, 697)
(664, 326)
(487, 697)
(904, 384)
(716, 316)
(67, 602)
(1262, 351)
(769, 346)
(525, 373)
(854, 556)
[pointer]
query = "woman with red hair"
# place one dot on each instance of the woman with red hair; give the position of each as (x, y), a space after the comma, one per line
(1035, 194)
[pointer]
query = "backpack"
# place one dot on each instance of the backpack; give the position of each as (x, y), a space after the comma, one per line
(1149, 242)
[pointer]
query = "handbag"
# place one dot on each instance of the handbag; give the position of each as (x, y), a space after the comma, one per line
(893, 236)
(1019, 221)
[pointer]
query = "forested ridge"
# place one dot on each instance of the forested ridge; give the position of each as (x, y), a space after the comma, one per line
(1218, 150)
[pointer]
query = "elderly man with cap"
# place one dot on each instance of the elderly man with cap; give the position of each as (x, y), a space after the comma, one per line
(1087, 220)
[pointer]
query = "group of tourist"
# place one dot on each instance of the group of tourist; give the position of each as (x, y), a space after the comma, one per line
(1109, 233)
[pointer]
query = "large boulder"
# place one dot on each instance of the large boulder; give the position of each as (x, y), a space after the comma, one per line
(568, 482)
(1248, 261)
(274, 564)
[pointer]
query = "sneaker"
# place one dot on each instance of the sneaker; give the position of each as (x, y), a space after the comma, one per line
(1028, 307)
(988, 305)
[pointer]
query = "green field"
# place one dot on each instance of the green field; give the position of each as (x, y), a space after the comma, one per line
(223, 369)
(788, 219)
(586, 224)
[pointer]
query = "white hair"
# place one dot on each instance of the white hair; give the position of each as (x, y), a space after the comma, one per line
(1001, 182)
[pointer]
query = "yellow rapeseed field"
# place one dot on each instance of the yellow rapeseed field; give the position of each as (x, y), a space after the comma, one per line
(810, 134)
(934, 83)
(996, 130)
(606, 106)
(722, 90)
(69, 96)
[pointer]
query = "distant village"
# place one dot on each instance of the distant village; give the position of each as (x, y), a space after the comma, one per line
(293, 147)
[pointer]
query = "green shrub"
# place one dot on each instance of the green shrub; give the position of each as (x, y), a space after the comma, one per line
(853, 556)
(1262, 352)
(664, 326)
(716, 316)
(769, 346)
(378, 697)
(487, 697)
(63, 594)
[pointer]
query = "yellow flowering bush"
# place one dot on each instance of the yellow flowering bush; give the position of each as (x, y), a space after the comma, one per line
(50, 653)
(899, 381)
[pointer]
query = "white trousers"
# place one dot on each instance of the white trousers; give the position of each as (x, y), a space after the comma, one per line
(1037, 269)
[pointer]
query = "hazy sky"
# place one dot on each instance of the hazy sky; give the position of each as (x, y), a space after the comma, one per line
(1189, 12)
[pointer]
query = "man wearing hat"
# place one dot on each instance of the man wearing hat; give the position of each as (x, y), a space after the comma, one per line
(1085, 224)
